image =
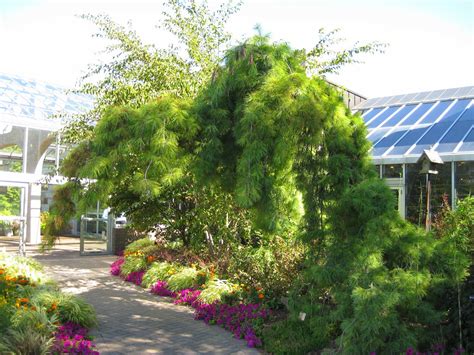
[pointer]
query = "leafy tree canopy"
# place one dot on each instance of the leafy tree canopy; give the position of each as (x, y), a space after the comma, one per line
(138, 72)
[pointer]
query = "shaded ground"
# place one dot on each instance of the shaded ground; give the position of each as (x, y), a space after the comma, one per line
(132, 321)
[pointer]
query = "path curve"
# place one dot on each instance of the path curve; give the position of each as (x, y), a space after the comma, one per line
(131, 320)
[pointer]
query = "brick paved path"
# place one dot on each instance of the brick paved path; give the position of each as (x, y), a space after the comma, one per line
(132, 321)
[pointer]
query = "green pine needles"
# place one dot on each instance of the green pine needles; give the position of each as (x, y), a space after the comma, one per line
(277, 138)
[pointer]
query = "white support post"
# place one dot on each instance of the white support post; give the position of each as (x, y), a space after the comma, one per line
(33, 226)
(453, 185)
(25, 151)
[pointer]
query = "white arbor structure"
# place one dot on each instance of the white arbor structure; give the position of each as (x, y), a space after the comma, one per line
(30, 149)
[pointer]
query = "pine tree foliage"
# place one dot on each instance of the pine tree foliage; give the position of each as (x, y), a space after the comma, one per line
(136, 152)
(270, 133)
(379, 286)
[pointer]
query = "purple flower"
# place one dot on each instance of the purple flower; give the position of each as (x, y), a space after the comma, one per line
(188, 296)
(160, 289)
(135, 277)
(237, 319)
(116, 266)
(70, 339)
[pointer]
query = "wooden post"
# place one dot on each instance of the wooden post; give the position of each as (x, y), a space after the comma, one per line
(428, 203)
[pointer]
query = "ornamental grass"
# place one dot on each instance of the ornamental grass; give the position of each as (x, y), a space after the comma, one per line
(36, 317)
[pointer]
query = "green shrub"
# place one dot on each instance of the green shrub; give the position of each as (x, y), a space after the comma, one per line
(158, 271)
(455, 230)
(184, 278)
(138, 245)
(215, 291)
(69, 308)
(44, 216)
(151, 250)
(272, 269)
(372, 287)
(133, 263)
(289, 337)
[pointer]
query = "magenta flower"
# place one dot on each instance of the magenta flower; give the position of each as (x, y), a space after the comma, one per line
(70, 338)
(238, 319)
(160, 289)
(188, 296)
(116, 266)
(135, 277)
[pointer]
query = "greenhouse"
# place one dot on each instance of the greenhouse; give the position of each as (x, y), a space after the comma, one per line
(400, 128)
(30, 151)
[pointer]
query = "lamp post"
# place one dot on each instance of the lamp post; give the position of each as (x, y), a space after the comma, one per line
(429, 160)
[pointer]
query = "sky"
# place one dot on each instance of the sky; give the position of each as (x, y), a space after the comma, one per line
(431, 42)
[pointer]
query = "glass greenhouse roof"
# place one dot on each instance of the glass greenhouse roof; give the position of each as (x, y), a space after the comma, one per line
(25, 102)
(401, 127)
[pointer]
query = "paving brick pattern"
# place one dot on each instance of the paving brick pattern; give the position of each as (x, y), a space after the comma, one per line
(133, 321)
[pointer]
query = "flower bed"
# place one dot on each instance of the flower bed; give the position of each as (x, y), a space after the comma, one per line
(215, 301)
(36, 317)
(71, 338)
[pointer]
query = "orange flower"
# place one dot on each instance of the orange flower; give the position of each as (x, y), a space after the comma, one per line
(150, 258)
(53, 307)
(261, 296)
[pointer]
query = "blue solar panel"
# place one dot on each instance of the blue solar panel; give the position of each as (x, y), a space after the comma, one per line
(387, 142)
(369, 115)
(468, 145)
(434, 114)
(455, 111)
(408, 140)
(457, 132)
(431, 137)
(383, 116)
(468, 115)
(375, 135)
(434, 134)
(454, 136)
(396, 118)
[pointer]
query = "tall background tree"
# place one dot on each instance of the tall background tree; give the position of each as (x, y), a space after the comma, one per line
(137, 72)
